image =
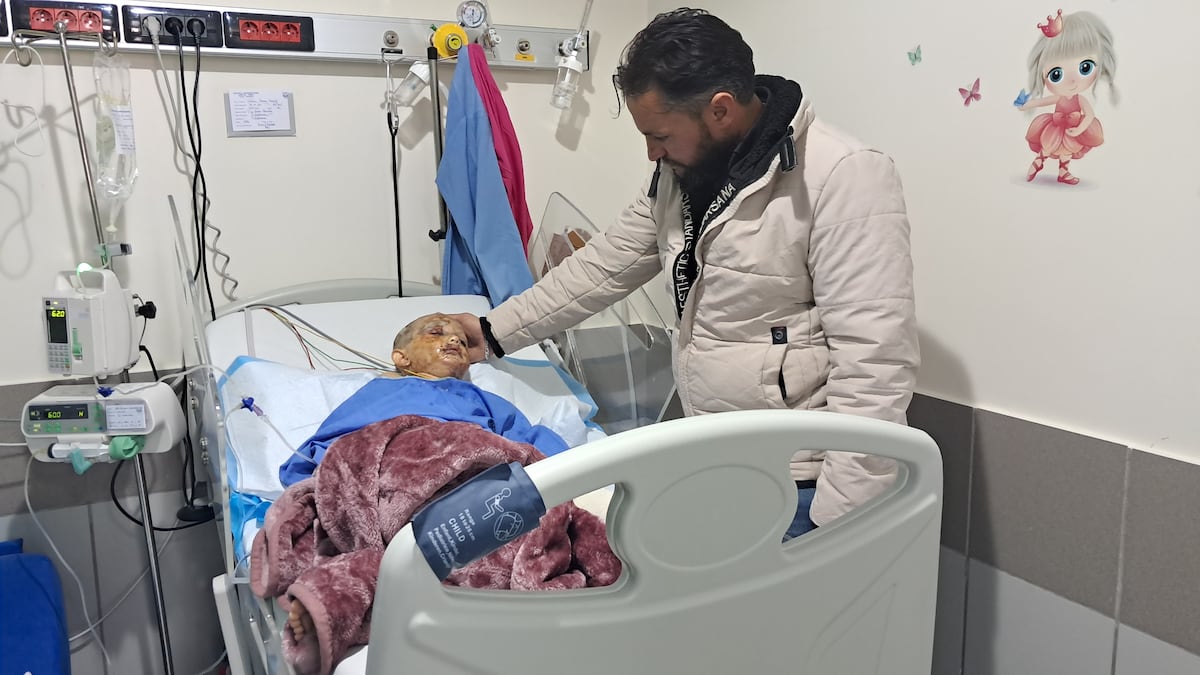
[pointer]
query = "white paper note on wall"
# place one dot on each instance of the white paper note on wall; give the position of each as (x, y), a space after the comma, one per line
(259, 112)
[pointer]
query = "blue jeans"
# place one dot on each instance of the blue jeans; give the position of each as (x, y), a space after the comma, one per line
(801, 523)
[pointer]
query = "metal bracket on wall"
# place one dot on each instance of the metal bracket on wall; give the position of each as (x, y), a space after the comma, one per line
(331, 37)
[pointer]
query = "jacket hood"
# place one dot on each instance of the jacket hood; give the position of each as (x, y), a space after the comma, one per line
(781, 99)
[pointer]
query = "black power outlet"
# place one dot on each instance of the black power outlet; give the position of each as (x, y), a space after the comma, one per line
(136, 29)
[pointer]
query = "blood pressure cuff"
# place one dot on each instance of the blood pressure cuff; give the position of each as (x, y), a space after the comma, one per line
(478, 517)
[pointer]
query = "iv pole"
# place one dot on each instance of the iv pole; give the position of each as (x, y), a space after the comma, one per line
(61, 32)
(61, 28)
(435, 97)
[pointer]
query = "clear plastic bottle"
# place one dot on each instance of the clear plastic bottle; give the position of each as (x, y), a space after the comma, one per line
(414, 83)
(569, 71)
(116, 152)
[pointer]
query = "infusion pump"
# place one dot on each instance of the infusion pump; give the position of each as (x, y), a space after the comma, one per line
(78, 417)
(90, 325)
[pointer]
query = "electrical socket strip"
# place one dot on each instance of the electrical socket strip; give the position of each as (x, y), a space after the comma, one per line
(81, 17)
(133, 23)
(242, 32)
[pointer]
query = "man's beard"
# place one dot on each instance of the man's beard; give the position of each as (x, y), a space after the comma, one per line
(710, 172)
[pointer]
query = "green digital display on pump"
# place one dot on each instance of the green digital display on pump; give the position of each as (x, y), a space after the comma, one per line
(56, 325)
(46, 413)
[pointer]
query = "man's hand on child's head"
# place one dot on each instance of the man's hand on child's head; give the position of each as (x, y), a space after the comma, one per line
(476, 345)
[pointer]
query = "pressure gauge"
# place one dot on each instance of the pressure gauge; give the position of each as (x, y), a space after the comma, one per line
(472, 14)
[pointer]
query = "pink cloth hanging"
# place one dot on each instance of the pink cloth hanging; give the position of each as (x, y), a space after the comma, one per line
(504, 136)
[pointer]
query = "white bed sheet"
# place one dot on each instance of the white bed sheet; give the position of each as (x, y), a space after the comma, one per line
(541, 390)
(296, 401)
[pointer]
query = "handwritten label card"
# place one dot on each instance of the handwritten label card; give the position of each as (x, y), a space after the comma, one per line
(260, 112)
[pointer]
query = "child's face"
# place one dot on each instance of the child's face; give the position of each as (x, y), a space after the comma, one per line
(1071, 76)
(438, 348)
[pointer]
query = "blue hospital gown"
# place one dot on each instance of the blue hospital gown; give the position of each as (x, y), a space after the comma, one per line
(448, 400)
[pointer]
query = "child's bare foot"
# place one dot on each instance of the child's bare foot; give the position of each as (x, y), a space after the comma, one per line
(300, 620)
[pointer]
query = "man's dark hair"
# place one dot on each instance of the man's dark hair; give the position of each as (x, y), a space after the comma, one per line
(687, 55)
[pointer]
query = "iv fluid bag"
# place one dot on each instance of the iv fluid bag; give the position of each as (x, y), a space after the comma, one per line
(116, 161)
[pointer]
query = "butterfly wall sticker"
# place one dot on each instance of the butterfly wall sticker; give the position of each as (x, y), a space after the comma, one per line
(1021, 99)
(914, 57)
(970, 95)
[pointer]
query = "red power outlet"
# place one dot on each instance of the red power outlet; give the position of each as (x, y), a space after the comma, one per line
(268, 31)
(77, 20)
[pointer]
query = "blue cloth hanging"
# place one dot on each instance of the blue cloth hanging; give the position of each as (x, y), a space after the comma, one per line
(33, 621)
(483, 251)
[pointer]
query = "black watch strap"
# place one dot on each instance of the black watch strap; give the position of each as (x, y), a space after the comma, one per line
(491, 339)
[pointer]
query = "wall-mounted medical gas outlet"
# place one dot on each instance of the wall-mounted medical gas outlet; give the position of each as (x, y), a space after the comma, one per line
(269, 31)
(133, 18)
(3, 20)
(80, 17)
(245, 32)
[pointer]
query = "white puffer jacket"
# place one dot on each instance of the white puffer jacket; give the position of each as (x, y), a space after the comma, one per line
(818, 244)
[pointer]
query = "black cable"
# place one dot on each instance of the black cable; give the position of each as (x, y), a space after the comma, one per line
(150, 358)
(154, 371)
(199, 181)
(112, 491)
(199, 149)
(145, 319)
(212, 308)
(393, 129)
(187, 116)
(189, 495)
(187, 486)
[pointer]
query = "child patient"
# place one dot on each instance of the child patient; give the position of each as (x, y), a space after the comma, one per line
(430, 355)
(401, 442)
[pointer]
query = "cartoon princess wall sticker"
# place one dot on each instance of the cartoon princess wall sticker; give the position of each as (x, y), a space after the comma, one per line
(1074, 52)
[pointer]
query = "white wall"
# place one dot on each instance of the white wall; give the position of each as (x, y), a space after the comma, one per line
(316, 206)
(1073, 306)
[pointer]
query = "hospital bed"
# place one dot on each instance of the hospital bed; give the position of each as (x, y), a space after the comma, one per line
(696, 509)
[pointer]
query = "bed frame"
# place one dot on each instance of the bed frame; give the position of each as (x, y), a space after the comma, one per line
(698, 515)
(707, 588)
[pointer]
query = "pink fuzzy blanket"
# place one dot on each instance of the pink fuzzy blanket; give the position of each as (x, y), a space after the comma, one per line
(324, 538)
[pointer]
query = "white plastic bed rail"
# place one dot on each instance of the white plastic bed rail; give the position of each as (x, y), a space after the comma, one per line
(708, 588)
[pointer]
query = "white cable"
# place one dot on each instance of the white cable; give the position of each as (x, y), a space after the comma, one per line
(384, 365)
(127, 592)
(174, 378)
(279, 433)
(262, 416)
(214, 663)
(37, 117)
(237, 460)
(13, 445)
(221, 259)
(152, 26)
(61, 559)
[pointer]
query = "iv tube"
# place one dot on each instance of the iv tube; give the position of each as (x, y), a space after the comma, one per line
(570, 68)
(587, 10)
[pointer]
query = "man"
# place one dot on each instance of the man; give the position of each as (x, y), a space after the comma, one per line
(431, 361)
(784, 241)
